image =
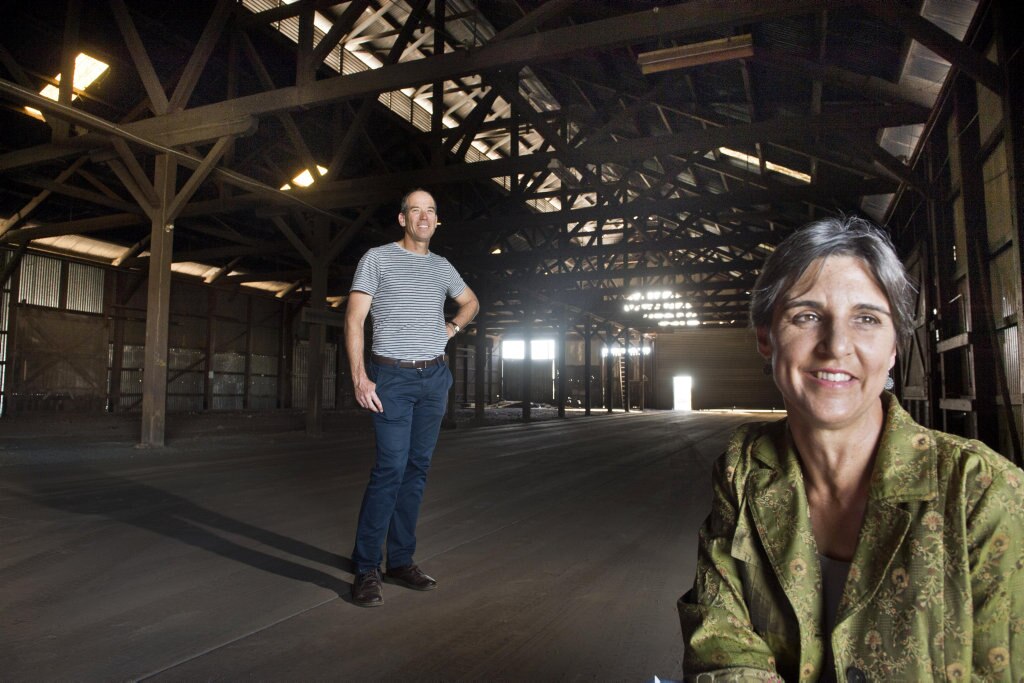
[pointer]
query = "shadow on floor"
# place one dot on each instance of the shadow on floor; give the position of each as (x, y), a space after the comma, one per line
(88, 491)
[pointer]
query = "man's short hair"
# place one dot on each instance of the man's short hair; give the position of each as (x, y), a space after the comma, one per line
(405, 198)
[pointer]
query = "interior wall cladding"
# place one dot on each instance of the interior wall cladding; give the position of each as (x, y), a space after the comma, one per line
(464, 374)
(1005, 265)
(726, 368)
(300, 360)
(188, 331)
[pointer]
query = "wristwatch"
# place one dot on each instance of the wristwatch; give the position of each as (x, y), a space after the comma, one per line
(456, 326)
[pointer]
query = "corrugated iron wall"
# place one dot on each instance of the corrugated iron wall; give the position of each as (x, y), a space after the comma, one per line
(223, 351)
(300, 374)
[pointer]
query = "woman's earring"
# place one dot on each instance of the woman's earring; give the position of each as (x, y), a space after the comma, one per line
(767, 369)
(890, 383)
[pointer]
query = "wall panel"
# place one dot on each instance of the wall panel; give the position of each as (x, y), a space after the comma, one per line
(726, 369)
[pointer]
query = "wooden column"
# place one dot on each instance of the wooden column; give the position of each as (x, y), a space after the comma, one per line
(247, 376)
(939, 234)
(465, 376)
(211, 347)
(158, 302)
(285, 352)
(563, 334)
(117, 342)
(588, 368)
(643, 373)
(609, 367)
(527, 363)
(480, 368)
(13, 371)
(983, 343)
(451, 350)
(315, 352)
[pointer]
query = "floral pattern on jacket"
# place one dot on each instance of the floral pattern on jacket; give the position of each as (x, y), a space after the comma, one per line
(936, 584)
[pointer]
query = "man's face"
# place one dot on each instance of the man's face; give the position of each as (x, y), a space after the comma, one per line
(419, 218)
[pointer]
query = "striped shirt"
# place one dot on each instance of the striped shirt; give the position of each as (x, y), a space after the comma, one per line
(407, 309)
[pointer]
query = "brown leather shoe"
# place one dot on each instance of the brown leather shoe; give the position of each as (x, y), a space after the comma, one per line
(411, 576)
(366, 589)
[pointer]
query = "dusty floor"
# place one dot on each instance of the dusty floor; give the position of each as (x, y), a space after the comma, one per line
(560, 547)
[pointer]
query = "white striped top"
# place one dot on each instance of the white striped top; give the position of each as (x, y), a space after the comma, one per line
(408, 290)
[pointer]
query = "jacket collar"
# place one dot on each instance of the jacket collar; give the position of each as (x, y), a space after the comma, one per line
(905, 467)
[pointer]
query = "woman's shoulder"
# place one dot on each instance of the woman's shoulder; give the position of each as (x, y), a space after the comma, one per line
(976, 467)
(951, 452)
(752, 442)
(965, 453)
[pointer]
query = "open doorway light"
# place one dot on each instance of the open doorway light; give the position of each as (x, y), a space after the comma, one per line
(682, 392)
(540, 349)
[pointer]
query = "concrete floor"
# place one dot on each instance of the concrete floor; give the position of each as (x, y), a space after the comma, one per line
(560, 548)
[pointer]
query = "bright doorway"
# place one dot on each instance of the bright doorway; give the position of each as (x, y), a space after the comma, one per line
(682, 392)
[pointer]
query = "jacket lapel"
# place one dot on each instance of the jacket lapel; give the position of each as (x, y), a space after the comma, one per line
(778, 505)
(905, 471)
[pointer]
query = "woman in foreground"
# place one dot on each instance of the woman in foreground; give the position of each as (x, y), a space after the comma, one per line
(847, 542)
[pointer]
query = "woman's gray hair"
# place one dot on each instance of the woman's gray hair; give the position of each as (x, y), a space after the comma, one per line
(843, 236)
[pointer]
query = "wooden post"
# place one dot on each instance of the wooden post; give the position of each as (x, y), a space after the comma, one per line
(563, 334)
(609, 341)
(588, 368)
(983, 341)
(480, 367)
(527, 363)
(315, 352)
(158, 302)
(211, 347)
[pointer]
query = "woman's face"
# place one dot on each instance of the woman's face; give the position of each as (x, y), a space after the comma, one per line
(831, 344)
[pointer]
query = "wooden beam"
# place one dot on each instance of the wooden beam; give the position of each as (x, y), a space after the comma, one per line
(198, 176)
(681, 19)
(19, 216)
(535, 19)
(197, 62)
(341, 26)
(872, 87)
(143, 65)
(154, 375)
(74, 227)
(72, 191)
(68, 55)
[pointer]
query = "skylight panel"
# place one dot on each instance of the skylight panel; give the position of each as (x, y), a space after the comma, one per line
(778, 168)
(87, 70)
(304, 179)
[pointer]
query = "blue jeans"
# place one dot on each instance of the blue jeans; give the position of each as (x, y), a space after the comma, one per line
(414, 403)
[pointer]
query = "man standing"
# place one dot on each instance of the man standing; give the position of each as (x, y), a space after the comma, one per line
(402, 285)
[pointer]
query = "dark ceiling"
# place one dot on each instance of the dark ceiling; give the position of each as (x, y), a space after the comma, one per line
(566, 177)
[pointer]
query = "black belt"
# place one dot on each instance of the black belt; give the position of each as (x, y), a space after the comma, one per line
(417, 364)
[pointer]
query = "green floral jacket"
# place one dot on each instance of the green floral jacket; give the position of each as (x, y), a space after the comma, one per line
(936, 585)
